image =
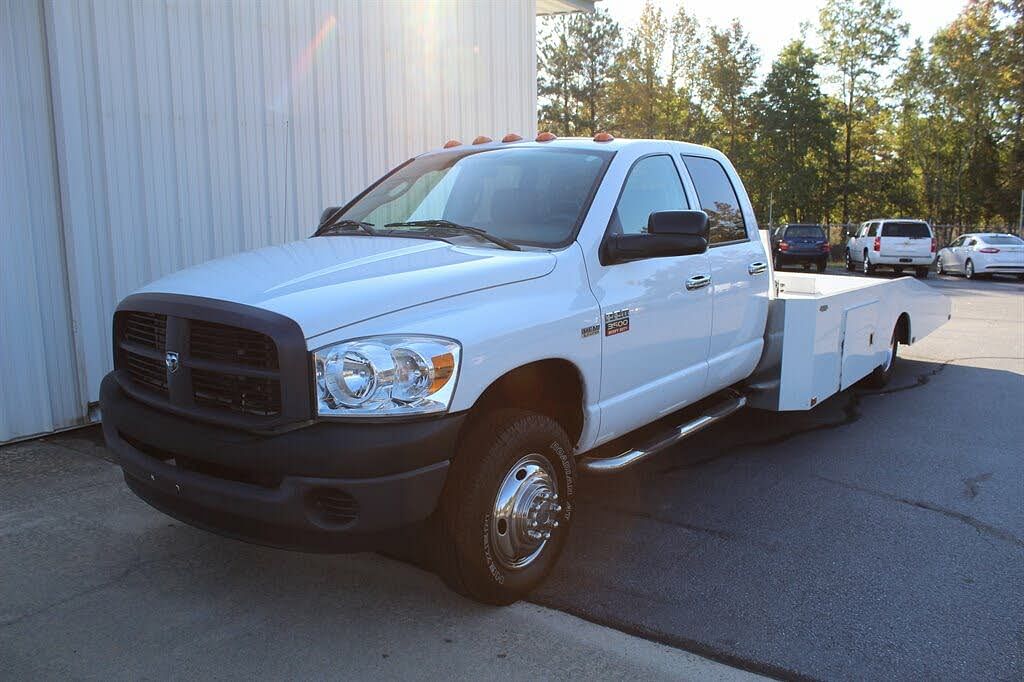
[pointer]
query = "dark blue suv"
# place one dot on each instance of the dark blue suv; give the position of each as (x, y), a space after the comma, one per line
(800, 244)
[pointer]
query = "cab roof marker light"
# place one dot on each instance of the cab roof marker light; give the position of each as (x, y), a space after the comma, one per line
(512, 137)
(603, 137)
(546, 137)
(482, 139)
(451, 143)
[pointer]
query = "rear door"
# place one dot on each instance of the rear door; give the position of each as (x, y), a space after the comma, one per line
(739, 276)
(906, 238)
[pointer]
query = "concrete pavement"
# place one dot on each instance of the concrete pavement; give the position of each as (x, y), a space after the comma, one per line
(95, 584)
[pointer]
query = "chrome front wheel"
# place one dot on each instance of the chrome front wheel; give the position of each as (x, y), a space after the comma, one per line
(526, 512)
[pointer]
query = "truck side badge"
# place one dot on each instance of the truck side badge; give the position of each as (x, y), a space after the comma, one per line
(616, 322)
(592, 330)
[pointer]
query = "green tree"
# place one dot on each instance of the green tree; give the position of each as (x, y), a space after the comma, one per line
(729, 71)
(595, 40)
(557, 71)
(859, 38)
(638, 90)
(796, 136)
(685, 117)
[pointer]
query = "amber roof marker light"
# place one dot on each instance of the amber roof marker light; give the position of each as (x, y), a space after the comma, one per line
(482, 139)
(546, 137)
(604, 137)
(451, 143)
(512, 137)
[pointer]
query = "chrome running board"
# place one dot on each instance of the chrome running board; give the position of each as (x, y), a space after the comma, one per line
(609, 465)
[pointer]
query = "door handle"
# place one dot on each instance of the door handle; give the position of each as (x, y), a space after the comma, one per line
(698, 282)
(757, 268)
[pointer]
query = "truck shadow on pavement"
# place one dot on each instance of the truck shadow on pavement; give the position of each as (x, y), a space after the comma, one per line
(870, 537)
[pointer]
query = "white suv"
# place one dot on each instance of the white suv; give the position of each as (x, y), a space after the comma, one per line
(891, 243)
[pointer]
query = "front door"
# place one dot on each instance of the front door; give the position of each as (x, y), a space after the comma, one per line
(656, 312)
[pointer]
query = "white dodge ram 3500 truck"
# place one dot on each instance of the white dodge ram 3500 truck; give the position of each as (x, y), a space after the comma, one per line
(453, 346)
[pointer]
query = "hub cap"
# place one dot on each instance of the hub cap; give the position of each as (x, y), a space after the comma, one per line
(526, 512)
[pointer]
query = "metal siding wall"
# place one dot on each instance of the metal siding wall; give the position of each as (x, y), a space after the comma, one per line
(37, 364)
(190, 130)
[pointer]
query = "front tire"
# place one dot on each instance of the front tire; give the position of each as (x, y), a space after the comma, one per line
(969, 269)
(507, 506)
(938, 267)
(849, 262)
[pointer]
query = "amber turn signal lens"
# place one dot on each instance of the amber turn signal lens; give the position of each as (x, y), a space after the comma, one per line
(482, 139)
(512, 137)
(444, 367)
(546, 137)
(603, 137)
(451, 143)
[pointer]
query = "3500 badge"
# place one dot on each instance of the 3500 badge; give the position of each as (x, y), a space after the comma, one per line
(616, 322)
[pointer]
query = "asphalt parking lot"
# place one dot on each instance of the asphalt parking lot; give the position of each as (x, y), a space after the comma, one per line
(879, 536)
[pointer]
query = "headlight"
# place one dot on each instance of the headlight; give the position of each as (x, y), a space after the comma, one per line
(386, 375)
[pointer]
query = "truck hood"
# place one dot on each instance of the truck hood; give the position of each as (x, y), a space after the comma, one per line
(329, 282)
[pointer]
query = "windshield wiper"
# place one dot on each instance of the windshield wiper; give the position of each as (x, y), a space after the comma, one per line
(346, 224)
(455, 227)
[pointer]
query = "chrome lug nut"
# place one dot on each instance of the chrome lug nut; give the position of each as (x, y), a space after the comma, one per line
(546, 534)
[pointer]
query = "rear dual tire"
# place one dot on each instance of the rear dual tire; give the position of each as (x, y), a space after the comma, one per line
(883, 373)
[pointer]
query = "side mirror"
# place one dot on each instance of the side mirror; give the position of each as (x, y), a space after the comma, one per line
(621, 248)
(329, 213)
(679, 222)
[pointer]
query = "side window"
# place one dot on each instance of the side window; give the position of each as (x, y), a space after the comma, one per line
(653, 184)
(973, 242)
(873, 230)
(717, 198)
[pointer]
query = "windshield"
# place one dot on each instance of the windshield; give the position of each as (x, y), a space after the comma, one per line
(1002, 239)
(908, 230)
(534, 196)
(813, 231)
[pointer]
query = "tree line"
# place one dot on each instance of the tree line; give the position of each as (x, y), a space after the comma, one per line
(855, 129)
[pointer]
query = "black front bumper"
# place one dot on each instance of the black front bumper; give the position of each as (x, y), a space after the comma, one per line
(329, 486)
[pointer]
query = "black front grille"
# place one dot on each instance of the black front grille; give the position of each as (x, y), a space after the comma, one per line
(223, 343)
(147, 372)
(246, 395)
(220, 367)
(146, 329)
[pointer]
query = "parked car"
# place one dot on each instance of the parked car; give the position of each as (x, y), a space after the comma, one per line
(897, 244)
(454, 345)
(800, 244)
(980, 254)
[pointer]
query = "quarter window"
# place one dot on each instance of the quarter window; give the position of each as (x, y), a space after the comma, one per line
(653, 184)
(717, 198)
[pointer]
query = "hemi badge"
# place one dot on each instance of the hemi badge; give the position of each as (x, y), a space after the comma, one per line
(592, 330)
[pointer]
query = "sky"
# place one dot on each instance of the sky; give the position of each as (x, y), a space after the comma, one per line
(773, 24)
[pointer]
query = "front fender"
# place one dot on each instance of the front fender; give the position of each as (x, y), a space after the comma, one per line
(505, 327)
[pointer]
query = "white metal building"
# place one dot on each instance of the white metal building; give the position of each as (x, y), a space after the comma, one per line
(137, 138)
